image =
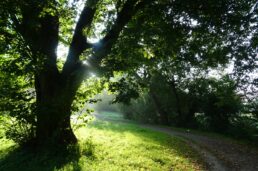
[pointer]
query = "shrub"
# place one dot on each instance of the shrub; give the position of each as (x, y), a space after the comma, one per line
(244, 126)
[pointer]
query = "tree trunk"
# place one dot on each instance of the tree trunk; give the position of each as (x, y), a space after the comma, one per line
(172, 85)
(53, 124)
(163, 114)
(54, 100)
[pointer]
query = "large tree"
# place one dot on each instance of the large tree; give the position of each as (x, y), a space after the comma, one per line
(37, 25)
(32, 30)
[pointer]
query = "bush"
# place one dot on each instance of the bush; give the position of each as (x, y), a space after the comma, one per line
(244, 126)
(20, 131)
(17, 105)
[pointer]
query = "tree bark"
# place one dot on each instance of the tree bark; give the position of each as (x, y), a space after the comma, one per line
(54, 100)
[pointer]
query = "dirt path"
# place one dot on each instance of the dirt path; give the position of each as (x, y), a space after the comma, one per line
(219, 154)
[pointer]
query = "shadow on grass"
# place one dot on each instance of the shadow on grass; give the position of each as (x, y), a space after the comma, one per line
(46, 159)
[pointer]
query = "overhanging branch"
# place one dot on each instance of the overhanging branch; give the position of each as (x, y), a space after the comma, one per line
(79, 41)
(103, 47)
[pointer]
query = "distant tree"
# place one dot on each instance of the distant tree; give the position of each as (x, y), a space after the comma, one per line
(218, 100)
(192, 42)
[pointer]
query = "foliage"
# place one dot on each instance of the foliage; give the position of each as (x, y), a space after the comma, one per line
(206, 103)
(124, 89)
(17, 104)
(245, 127)
(86, 93)
(218, 101)
(175, 61)
(141, 109)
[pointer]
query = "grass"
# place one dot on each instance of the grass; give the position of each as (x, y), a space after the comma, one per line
(107, 146)
(114, 116)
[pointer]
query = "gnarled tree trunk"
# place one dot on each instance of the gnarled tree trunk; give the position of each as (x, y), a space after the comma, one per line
(54, 99)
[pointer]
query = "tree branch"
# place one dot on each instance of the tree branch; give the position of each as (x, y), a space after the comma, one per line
(79, 41)
(39, 33)
(103, 47)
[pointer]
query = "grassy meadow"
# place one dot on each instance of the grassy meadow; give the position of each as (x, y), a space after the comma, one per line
(106, 146)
